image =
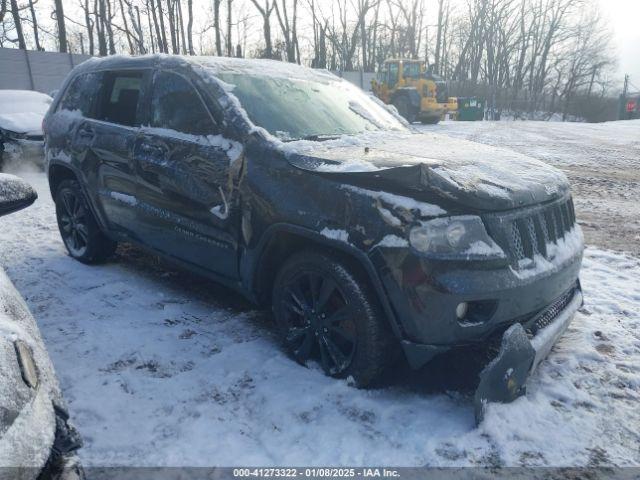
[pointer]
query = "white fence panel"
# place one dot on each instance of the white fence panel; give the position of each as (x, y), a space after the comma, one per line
(32, 70)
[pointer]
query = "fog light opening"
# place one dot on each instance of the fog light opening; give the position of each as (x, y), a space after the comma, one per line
(461, 310)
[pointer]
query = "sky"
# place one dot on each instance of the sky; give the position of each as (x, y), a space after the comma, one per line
(624, 18)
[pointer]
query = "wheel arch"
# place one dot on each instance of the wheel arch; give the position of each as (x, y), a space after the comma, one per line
(57, 172)
(280, 241)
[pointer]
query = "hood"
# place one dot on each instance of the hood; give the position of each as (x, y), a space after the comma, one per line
(16, 397)
(28, 123)
(471, 174)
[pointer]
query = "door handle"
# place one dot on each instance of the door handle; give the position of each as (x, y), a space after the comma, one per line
(153, 149)
(86, 131)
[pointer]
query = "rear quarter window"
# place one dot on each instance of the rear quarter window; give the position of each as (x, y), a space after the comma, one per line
(81, 93)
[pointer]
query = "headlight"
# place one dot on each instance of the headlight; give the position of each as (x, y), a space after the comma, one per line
(463, 236)
(27, 365)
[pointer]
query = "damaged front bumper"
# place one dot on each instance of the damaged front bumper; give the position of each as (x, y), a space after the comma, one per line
(522, 348)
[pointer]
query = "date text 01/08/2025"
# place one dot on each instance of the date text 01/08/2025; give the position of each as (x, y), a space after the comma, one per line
(316, 472)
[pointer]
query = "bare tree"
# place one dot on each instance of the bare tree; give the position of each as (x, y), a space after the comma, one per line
(265, 12)
(229, 42)
(190, 27)
(62, 29)
(289, 28)
(17, 22)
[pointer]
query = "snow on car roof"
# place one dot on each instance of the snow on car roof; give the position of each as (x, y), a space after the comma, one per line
(250, 66)
(264, 67)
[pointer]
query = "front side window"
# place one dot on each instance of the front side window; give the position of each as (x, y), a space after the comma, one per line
(176, 105)
(80, 93)
(293, 109)
(121, 98)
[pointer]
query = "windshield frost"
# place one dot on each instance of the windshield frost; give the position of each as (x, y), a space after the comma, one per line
(293, 109)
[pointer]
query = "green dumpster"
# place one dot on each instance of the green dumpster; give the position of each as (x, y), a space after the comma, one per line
(470, 109)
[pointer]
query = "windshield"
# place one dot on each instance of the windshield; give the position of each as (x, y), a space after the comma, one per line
(293, 109)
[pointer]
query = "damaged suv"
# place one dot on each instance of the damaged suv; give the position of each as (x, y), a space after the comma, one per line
(301, 191)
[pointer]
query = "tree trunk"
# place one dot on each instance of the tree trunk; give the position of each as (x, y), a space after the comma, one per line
(172, 28)
(62, 30)
(190, 27)
(126, 28)
(216, 26)
(183, 41)
(229, 24)
(89, 25)
(436, 62)
(163, 33)
(34, 20)
(108, 20)
(15, 12)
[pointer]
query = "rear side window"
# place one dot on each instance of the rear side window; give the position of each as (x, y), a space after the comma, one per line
(81, 93)
(176, 105)
(121, 97)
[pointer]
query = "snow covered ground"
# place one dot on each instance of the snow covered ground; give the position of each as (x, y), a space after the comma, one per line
(160, 367)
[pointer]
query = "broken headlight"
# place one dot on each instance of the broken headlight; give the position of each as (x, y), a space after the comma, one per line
(463, 236)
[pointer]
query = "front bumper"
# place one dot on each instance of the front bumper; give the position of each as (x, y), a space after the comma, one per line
(424, 294)
(522, 348)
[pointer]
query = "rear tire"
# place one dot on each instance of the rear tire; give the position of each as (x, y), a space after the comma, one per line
(79, 229)
(325, 310)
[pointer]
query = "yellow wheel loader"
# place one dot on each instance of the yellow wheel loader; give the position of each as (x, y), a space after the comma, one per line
(417, 94)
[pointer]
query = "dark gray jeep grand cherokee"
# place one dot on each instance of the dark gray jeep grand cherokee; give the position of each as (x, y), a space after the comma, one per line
(300, 190)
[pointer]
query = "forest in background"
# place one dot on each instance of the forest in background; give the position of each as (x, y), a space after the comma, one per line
(527, 58)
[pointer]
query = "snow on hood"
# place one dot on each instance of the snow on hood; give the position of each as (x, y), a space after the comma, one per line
(17, 323)
(478, 175)
(22, 111)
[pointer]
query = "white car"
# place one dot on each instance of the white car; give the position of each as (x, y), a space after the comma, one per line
(36, 439)
(21, 114)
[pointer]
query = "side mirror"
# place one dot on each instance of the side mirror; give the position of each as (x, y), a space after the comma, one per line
(15, 194)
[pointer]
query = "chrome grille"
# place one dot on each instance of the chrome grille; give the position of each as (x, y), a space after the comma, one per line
(526, 233)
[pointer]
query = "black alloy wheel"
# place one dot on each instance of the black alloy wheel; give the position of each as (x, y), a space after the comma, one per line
(319, 318)
(73, 223)
(325, 312)
(79, 230)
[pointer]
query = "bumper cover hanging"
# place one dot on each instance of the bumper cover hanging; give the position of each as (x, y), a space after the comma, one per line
(504, 378)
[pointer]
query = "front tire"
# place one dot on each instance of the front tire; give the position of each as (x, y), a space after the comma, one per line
(325, 311)
(430, 120)
(78, 227)
(405, 109)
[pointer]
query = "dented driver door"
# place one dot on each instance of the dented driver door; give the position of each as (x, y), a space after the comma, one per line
(184, 193)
